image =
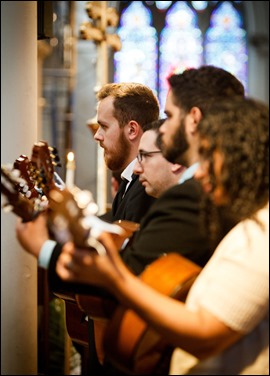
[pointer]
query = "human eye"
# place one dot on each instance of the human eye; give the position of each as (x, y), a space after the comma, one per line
(142, 155)
(103, 127)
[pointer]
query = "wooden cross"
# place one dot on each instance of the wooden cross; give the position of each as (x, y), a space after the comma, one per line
(101, 17)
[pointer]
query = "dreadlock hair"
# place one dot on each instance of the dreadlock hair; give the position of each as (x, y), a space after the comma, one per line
(239, 129)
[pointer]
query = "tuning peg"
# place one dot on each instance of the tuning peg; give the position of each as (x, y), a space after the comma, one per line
(28, 194)
(56, 157)
(25, 188)
(56, 161)
(53, 150)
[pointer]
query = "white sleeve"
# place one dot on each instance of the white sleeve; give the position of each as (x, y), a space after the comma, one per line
(45, 253)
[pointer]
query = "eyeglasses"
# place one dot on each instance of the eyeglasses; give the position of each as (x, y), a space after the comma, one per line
(145, 154)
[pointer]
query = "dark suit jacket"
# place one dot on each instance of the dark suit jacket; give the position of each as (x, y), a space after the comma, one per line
(172, 224)
(133, 206)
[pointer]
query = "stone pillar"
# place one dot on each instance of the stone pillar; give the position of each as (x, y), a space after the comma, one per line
(19, 132)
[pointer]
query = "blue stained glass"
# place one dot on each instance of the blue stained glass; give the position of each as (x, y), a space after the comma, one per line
(225, 42)
(199, 5)
(163, 4)
(180, 45)
(137, 59)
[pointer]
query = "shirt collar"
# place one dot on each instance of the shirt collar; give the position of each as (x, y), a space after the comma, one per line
(188, 173)
(128, 171)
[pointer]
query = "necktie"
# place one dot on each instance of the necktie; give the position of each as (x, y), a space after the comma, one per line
(119, 195)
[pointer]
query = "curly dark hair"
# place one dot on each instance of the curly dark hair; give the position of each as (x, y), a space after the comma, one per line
(239, 128)
(132, 101)
(199, 87)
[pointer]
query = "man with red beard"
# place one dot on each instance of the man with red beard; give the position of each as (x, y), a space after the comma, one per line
(123, 113)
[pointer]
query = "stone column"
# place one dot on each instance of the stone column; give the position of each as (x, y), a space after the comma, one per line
(19, 132)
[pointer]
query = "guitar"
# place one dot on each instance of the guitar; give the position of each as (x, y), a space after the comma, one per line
(44, 158)
(18, 185)
(129, 342)
(72, 217)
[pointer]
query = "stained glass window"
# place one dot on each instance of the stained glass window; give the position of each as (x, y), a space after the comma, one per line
(180, 44)
(164, 37)
(137, 59)
(225, 41)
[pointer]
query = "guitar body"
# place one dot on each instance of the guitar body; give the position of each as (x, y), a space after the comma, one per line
(96, 307)
(129, 342)
(77, 326)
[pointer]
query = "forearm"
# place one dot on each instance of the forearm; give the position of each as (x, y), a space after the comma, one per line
(199, 333)
(32, 235)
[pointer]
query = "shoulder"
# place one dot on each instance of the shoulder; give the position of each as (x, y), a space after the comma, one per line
(249, 241)
(190, 190)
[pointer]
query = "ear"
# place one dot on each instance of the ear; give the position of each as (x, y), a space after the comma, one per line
(133, 130)
(177, 168)
(195, 116)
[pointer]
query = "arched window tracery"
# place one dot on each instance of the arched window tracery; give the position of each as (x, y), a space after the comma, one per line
(164, 37)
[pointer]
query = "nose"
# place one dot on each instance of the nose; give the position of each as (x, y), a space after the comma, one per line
(98, 136)
(137, 169)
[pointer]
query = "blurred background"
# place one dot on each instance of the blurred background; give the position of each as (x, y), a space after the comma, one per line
(55, 55)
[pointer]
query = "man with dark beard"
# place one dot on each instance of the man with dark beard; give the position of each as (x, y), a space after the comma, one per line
(123, 112)
(172, 224)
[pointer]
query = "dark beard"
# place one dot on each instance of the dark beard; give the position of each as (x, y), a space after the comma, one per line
(117, 159)
(174, 153)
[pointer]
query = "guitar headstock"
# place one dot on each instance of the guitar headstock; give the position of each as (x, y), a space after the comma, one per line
(44, 159)
(20, 205)
(24, 165)
(66, 218)
(72, 218)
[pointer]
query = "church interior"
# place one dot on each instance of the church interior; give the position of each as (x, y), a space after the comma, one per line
(55, 57)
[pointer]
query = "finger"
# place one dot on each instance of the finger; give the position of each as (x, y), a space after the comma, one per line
(68, 248)
(108, 242)
(64, 273)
